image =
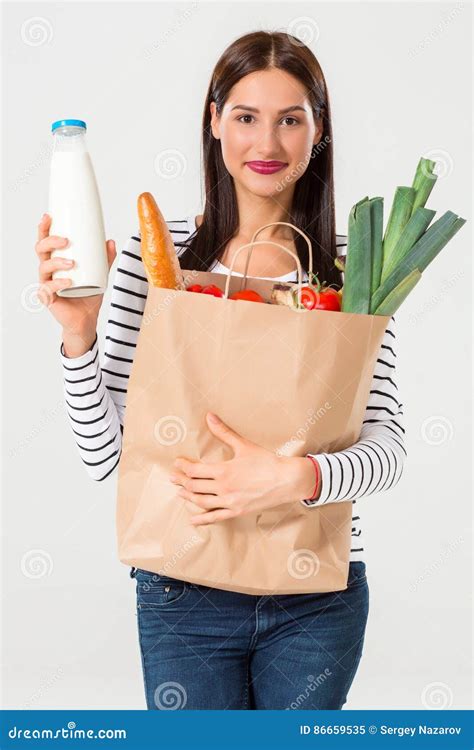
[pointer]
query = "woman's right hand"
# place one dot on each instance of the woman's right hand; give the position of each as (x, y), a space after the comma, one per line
(77, 315)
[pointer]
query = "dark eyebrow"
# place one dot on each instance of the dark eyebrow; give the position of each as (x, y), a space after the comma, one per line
(280, 112)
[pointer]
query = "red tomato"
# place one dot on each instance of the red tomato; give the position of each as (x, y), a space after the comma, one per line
(323, 299)
(194, 288)
(328, 299)
(308, 297)
(332, 291)
(213, 289)
(248, 294)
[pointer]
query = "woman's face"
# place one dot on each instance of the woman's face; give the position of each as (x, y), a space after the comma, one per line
(267, 117)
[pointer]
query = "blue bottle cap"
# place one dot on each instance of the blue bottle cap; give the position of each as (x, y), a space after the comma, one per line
(61, 123)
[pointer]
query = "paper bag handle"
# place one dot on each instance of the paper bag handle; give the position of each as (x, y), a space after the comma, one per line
(263, 242)
(297, 229)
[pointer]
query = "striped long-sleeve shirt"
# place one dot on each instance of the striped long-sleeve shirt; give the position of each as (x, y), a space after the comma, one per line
(95, 395)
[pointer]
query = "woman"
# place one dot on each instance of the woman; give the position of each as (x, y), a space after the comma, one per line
(268, 157)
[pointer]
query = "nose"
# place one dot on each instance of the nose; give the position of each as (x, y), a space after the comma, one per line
(268, 145)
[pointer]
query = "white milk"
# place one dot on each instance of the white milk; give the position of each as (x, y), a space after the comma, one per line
(75, 208)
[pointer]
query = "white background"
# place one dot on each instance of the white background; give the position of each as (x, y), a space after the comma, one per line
(399, 81)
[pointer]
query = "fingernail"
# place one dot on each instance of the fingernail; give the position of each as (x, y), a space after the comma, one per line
(213, 417)
(68, 262)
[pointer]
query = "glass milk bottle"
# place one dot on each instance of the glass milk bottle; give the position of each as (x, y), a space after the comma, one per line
(76, 211)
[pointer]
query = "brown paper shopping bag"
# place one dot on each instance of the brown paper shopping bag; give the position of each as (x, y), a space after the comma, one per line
(295, 382)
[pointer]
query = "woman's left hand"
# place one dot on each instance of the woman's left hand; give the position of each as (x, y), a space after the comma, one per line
(254, 479)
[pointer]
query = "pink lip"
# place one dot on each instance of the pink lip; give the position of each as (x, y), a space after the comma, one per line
(266, 167)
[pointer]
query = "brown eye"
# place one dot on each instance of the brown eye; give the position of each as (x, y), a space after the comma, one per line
(292, 118)
(241, 116)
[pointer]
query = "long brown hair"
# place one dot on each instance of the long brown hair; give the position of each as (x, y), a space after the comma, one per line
(312, 208)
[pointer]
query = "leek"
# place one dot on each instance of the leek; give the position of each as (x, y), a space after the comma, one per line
(392, 301)
(357, 277)
(399, 215)
(423, 182)
(418, 223)
(376, 217)
(420, 255)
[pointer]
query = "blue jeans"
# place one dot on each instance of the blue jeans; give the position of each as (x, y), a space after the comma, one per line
(206, 648)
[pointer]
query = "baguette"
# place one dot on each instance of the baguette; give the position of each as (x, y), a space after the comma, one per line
(158, 252)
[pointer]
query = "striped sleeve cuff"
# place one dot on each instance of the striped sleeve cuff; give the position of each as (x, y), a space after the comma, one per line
(326, 480)
(371, 465)
(88, 358)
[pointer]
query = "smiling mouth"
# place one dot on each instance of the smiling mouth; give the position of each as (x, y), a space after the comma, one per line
(266, 167)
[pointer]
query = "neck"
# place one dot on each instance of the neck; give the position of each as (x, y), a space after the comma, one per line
(256, 211)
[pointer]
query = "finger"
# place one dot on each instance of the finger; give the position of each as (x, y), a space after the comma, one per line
(52, 242)
(43, 226)
(47, 291)
(198, 469)
(111, 252)
(225, 433)
(203, 486)
(213, 516)
(47, 267)
(206, 502)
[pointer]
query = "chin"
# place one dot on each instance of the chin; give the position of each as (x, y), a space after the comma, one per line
(264, 186)
(268, 193)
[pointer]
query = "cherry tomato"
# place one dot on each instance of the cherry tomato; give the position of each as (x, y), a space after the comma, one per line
(248, 294)
(194, 288)
(213, 289)
(308, 297)
(324, 298)
(328, 299)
